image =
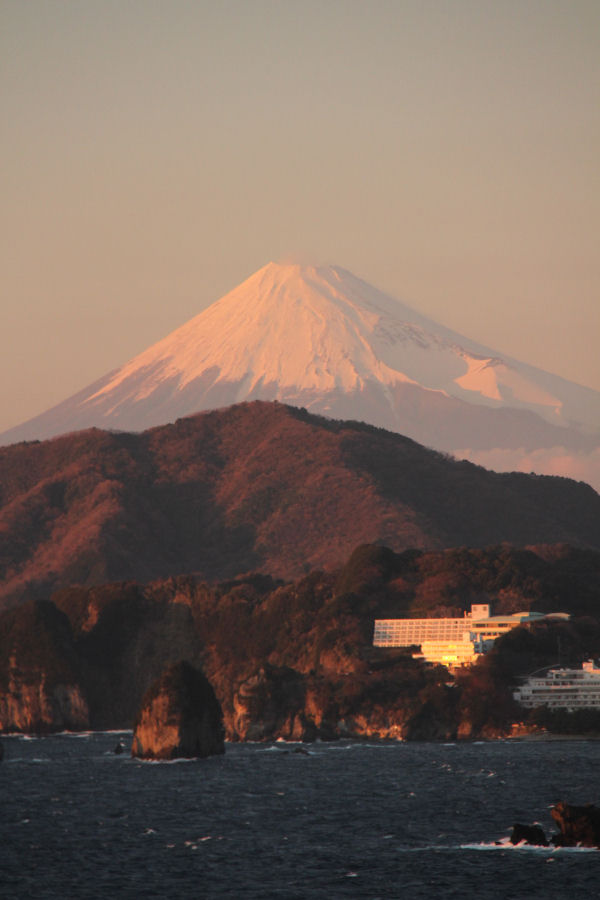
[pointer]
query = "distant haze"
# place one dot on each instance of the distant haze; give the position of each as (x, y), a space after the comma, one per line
(155, 155)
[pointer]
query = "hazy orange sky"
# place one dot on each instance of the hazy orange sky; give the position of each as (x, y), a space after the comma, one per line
(155, 154)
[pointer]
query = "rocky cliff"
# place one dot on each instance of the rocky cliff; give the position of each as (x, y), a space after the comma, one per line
(40, 673)
(579, 825)
(295, 660)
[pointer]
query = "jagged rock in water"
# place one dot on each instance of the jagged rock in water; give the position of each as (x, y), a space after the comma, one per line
(529, 834)
(180, 716)
(578, 825)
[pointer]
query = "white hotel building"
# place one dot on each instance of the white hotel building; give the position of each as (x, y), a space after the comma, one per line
(453, 642)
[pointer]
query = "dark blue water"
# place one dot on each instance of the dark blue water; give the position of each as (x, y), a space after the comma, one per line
(347, 820)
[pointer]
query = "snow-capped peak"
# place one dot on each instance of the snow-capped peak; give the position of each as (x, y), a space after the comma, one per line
(301, 328)
(319, 337)
(287, 325)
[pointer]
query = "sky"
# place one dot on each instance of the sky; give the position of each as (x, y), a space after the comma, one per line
(155, 154)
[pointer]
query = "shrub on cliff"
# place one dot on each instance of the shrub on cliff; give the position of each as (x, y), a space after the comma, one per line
(370, 566)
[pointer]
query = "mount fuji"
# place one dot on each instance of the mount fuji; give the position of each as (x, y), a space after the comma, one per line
(321, 338)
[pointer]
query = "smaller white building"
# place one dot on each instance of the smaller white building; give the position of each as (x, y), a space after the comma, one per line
(560, 688)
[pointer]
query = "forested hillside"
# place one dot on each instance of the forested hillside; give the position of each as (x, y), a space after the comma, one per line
(255, 487)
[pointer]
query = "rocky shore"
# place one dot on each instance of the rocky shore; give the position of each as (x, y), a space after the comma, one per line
(579, 826)
(292, 661)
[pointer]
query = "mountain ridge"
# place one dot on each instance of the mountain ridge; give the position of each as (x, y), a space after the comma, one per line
(255, 487)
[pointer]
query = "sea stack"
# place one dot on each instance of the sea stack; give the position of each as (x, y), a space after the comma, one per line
(180, 717)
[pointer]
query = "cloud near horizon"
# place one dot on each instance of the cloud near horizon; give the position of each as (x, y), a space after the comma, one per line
(545, 461)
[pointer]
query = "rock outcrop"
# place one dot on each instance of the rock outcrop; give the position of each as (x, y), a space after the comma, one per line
(41, 708)
(272, 702)
(528, 834)
(180, 716)
(125, 641)
(579, 825)
(278, 702)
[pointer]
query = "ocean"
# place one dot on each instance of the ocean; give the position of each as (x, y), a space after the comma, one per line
(323, 820)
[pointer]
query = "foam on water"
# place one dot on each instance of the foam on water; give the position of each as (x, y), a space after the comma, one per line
(165, 762)
(85, 735)
(521, 847)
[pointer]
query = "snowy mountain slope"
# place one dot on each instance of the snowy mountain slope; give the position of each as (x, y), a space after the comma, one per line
(320, 337)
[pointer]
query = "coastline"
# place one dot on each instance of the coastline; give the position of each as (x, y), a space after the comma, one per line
(549, 736)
